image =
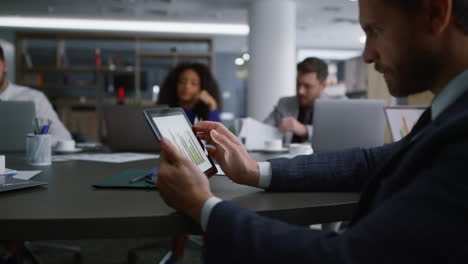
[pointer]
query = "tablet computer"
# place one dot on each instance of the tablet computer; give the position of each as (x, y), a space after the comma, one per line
(173, 124)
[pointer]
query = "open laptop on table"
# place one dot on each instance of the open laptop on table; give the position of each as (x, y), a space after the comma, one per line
(127, 129)
(401, 119)
(16, 121)
(340, 124)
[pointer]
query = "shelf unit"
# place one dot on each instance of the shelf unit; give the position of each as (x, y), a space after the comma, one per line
(85, 69)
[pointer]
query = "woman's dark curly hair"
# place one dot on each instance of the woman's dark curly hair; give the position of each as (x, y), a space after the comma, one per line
(168, 93)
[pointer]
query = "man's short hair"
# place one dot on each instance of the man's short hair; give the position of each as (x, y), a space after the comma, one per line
(2, 56)
(459, 8)
(313, 65)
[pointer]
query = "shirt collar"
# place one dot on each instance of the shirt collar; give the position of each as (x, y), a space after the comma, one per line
(5, 95)
(452, 91)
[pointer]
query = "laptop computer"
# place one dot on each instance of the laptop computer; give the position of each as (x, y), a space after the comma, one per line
(16, 121)
(340, 124)
(401, 119)
(9, 184)
(128, 130)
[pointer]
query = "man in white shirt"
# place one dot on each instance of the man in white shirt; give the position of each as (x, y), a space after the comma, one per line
(12, 92)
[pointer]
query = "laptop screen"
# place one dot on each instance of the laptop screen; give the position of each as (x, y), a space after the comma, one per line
(401, 119)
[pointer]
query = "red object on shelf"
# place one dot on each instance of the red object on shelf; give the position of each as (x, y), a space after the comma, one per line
(121, 95)
(97, 58)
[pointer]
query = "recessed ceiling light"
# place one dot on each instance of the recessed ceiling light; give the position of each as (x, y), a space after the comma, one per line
(123, 25)
(239, 61)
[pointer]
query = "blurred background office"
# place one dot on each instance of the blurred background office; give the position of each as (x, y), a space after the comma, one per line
(84, 55)
(80, 62)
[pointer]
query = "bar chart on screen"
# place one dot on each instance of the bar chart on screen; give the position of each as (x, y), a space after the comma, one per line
(402, 119)
(186, 144)
(177, 130)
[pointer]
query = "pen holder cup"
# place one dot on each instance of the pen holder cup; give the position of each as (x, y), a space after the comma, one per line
(38, 149)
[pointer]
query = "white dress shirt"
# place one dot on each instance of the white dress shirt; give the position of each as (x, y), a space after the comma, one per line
(42, 107)
(448, 96)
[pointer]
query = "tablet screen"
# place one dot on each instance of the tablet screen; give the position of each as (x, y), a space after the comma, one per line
(176, 129)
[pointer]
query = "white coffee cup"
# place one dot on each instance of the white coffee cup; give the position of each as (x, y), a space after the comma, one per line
(65, 145)
(300, 149)
(2, 163)
(275, 144)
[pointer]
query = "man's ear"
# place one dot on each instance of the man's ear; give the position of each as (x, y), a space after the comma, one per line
(439, 15)
(5, 63)
(323, 85)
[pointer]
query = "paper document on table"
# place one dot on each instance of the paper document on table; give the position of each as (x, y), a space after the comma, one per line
(26, 175)
(256, 133)
(106, 157)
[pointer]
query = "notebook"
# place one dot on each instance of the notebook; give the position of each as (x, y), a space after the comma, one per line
(123, 180)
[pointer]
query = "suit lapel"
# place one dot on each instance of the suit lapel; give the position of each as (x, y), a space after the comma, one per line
(373, 186)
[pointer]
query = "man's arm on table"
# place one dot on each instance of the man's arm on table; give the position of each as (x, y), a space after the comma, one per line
(401, 229)
(333, 171)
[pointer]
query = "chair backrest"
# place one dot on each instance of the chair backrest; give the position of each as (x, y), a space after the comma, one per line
(350, 123)
(127, 129)
(16, 121)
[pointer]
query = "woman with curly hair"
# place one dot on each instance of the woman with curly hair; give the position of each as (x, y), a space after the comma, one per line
(191, 85)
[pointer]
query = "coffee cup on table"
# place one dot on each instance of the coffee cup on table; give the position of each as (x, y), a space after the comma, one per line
(2, 169)
(274, 144)
(300, 149)
(65, 145)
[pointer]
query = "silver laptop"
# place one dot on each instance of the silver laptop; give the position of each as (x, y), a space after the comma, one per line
(350, 123)
(16, 121)
(127, 129)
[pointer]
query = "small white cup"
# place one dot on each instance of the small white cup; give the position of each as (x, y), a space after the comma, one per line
(38, 149)
(2, 163)
(275, 144)
(65, 145)
(287, 138)
(300, 149)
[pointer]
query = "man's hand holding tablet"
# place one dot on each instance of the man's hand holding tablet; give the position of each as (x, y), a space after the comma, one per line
(181, 181)
(181, 184)
(229, 153)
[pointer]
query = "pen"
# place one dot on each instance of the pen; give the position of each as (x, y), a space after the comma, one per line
(139, 178)
(44, 130)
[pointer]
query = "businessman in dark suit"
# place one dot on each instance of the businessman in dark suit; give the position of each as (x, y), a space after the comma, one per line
(414, 202)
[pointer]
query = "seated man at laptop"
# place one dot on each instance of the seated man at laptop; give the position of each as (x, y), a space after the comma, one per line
(12, 92)
(294, 114)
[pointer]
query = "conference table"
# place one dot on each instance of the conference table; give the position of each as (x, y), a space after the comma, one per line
(69, 207)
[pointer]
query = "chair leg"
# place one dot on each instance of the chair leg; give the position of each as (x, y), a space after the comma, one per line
(18, 253)
(178, 246)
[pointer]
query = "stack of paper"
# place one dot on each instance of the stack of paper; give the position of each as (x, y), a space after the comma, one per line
(255, 134)
(106, 157)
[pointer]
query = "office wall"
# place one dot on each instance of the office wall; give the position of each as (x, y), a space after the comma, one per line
(233, 89)
(7, 41)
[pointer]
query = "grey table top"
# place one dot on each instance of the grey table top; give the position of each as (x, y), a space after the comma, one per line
(70, 208)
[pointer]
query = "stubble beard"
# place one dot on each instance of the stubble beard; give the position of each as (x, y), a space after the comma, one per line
(417, 74)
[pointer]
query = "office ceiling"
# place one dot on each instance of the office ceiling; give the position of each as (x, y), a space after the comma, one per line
(322, 24)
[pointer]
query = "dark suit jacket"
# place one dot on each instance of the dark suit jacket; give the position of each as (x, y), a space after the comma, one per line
(413, 208)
